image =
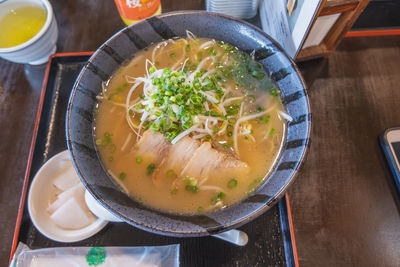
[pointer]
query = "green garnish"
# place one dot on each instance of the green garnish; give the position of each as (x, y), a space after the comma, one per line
(232, 183)
(99, 142)
(274, 92)
(178, 99)
(211, 51)
(171, 174)
(258, 74)
(130, 112)
(218, 198)
(189, 180)
(96, 111)
(107, 137)
(120, 89)
(192, 188)
(271, 132)
(139, 160)
(122, 176)
(110, 158)
(246, 137)
(227, 145)
(150, 168)
(266, 119)
(190, 184)
(200, 209)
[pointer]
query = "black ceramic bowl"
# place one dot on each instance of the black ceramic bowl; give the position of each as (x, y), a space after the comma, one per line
(121, 48)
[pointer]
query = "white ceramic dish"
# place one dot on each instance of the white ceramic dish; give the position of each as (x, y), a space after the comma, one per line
(36, 50)
(40, 196)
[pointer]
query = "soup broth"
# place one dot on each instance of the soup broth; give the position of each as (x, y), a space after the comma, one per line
(189, 125)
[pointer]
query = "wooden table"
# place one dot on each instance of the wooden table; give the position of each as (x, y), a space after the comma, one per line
(344, 208)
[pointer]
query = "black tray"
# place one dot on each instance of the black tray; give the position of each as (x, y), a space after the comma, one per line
(270, 242)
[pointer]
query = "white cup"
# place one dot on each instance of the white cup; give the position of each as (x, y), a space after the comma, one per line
(97, 209)
(36, 50)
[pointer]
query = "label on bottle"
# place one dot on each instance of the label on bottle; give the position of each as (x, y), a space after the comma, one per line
(137, 9)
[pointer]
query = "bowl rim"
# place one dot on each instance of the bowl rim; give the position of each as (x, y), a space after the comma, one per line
(203, 232)
(39, 34)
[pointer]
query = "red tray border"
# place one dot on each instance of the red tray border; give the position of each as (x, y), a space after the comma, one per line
(32, 148)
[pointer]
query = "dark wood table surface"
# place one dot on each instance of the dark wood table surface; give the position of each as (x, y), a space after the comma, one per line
(344, 206)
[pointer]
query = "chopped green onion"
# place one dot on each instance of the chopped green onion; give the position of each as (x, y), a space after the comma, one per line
(150, 168)
(274, 92)
(271, 132)
(120, 89)
(99, 142)
(111, 159)
(232, 183)
(172, 54)
(190, 181)
(122, 176)
(219, 197)
(266, 119)
(192, 188)
(139, 160)
(258, 74)
(171, 174)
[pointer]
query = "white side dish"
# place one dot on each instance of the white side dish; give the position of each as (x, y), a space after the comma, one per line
(71, 215)
(56, 202)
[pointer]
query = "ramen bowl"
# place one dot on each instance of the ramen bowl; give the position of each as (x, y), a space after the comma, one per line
(119, 49)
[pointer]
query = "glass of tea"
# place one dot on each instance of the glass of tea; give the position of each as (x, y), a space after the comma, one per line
(28, 31)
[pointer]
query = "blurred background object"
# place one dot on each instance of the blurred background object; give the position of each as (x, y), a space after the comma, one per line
(235, 8)
(132, 11)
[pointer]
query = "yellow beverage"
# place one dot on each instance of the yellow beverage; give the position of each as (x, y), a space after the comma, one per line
(21, 24)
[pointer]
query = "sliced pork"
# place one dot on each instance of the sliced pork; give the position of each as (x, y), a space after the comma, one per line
(178, 156)
(152, 146)
(206, 160)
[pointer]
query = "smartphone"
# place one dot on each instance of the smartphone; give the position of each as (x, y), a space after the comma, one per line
(390, 142)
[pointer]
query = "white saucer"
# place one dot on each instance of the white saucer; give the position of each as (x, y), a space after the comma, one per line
(40, 196)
